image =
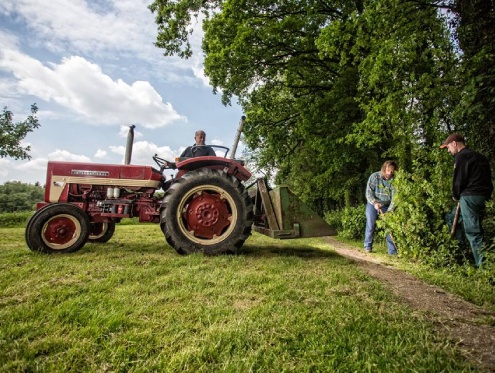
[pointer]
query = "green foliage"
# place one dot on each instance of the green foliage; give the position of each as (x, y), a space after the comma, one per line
(407, 66)
(334, 219)
(489, 222)
(176, 23)
(14, 219)
(17, 196)
(11, 134)
(419, 219)
(488, 270)
(353, 222)
(474, 21)
(331, 90)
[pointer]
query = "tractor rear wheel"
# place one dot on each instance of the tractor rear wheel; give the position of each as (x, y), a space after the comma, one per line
(206, 211)
(101, 232)
(57, 228)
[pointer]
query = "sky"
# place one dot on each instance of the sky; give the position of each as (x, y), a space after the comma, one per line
(92, 69)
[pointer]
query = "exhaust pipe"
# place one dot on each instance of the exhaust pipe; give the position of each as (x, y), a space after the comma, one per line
(237, 137)
(130, 142)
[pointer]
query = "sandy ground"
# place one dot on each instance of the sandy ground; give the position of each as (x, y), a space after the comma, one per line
(452, 317)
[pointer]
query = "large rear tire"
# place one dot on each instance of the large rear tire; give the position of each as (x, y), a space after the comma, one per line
(101, 232)
(206, 211)
(57, 228)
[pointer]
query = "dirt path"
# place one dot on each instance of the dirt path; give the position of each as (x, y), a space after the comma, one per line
(453, 317)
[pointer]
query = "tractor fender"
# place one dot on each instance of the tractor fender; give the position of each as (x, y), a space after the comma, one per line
(232, 167)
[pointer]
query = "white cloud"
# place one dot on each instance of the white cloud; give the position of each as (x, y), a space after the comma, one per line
(216, 142)
(81, 86)
(118, 28)
(35, 164)
(66, 156)
(35, 168)
(100, 154)
(143, 152)
(120, 150)
(124, 132)
(88, 26)
(8, 41)
(196, 40)
(4, 166)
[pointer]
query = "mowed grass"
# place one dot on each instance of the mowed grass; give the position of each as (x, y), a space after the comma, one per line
(134, 305)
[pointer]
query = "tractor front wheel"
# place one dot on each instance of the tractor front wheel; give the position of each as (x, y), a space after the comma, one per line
(57, 228)
(206, 211)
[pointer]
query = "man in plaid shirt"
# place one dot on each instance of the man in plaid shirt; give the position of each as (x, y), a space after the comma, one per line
(379, 194)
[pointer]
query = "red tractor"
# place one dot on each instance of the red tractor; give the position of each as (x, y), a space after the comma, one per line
(204, 208)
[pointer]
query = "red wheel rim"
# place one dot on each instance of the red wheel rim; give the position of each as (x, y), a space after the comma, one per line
(61, 231)
(207, 215)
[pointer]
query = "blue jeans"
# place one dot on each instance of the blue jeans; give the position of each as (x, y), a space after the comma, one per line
(371, 216)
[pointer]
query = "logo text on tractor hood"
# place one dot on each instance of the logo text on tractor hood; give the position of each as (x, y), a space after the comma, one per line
(89, 173)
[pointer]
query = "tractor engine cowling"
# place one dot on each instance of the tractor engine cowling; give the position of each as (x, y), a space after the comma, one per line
(105, 191)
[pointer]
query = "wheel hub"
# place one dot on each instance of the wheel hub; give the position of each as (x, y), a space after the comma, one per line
(207, 215)
(59, 231)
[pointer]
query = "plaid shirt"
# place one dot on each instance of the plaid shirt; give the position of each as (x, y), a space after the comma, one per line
(380, 190)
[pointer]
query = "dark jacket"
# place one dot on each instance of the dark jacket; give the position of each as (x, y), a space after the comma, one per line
(472, 175)
(198, 151)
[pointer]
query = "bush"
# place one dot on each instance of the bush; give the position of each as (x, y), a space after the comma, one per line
(334, 219)
(19, 219)
(350, 222)
(353, 222)
(489, 223)
(418, 221)
(14, 219)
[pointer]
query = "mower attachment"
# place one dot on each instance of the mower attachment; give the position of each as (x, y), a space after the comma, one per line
(283, 215)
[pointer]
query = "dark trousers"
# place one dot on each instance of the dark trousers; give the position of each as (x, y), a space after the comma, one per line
(471, 216)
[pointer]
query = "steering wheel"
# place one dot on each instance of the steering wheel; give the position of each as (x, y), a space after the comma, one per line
(163, 163)
(220, 147)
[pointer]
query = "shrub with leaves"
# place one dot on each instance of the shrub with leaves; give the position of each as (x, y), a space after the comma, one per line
(334, 219)
(14, 219)
(418, 221)
(353, 222)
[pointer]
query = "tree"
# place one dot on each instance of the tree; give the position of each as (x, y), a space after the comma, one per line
(16, 196)
(476, 27)
(299, 103)
(332, 88)
(11, 134)
(473, 24)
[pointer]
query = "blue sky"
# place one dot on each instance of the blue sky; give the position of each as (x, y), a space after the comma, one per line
(92, 69)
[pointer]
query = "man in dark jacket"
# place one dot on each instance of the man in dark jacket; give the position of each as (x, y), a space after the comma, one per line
(472, 186)
(199, 149)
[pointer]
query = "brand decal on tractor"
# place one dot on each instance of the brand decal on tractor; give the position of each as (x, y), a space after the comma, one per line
(90, 173)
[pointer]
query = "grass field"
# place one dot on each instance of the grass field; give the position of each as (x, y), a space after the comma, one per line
(134, 305)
